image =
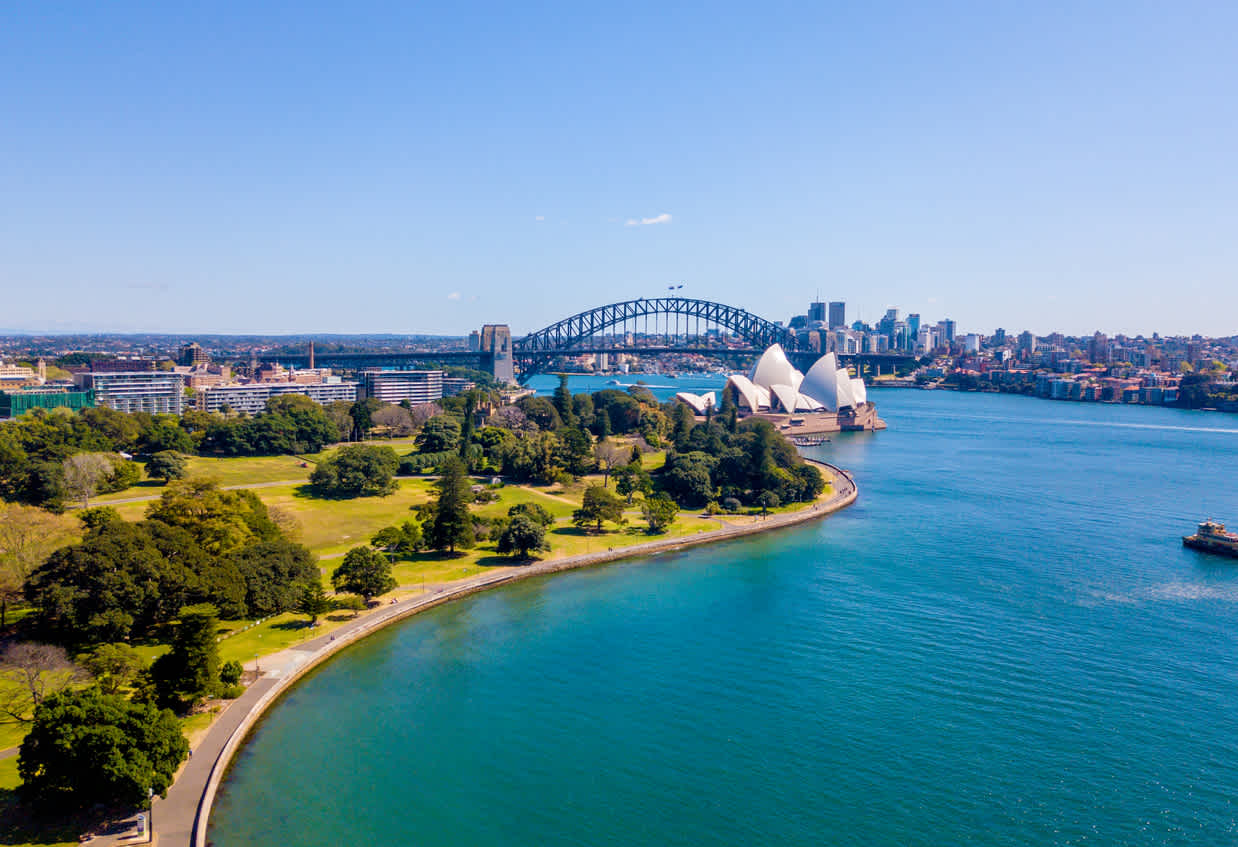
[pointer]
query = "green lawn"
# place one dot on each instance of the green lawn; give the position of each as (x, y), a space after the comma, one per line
(565, 540)
(11, 734)
(510, 495)
(333, 526)
(274, 634)
(329, 528)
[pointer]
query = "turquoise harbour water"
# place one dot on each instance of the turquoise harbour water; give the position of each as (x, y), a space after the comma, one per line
(1002, 642)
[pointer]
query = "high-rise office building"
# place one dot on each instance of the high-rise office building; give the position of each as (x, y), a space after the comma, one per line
(1098, 348)
(949, 327)
(816, 312)
(838, 314)
(192, 354)
(913, 324)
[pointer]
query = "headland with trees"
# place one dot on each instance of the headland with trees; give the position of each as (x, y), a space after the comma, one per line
(139, 593)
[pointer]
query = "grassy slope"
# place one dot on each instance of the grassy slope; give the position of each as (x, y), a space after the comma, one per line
(330, 528)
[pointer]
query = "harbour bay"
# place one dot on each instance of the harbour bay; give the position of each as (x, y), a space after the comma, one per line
(1002, 642)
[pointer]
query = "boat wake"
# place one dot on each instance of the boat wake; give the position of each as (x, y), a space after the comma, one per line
(1170, 592)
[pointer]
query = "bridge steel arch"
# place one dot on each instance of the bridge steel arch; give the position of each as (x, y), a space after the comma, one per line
(572, 332)
(536, 348)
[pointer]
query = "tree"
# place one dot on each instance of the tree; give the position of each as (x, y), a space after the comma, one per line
(541, 412)
(230, 672)
(115, 584)
(167, 465)
(601, 424)
(535, 511)
(729, 413)
(452, 526)
(598, 505)
(27, 536)
(609, 455)
(577, 450)
(582, 410)
(469, 425)
(113, 666)
(632, 478)
(125, 474)
(190, 670)
(659, 512)
(86, 748)
(439, 435)
(1193, 390)
(767, 500)
(362, 413)
(164, 435)
(220, 521)
(563, 402)
(398, 540)
(395, 419)
(314, 601)
(521, 536)
(84, 473)
(29, 674)
(422, 412)
(536, 457)
(683, 423)
(364, 571)
(511, 418)
(357, 470)
(339, 414)
(273, 572)
(688, 479)
(14, 464)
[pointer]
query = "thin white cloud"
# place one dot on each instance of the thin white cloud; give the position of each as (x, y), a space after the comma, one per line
(663, 218)
(455, 295)
(540, 218)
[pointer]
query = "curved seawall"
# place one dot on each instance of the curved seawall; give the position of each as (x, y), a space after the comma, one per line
(183, 818)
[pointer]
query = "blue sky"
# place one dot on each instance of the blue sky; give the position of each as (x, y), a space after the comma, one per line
(375, 167)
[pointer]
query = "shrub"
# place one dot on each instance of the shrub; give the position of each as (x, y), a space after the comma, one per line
(230, 672)
(419, 463)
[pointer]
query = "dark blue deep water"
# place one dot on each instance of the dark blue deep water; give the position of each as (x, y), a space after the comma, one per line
(1002, 642)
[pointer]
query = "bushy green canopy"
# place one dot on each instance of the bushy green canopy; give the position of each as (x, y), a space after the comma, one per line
(86, 747)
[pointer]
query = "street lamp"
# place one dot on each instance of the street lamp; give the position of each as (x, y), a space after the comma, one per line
(150, 835)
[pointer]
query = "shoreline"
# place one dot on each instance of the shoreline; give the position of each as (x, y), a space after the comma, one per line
(191, 797)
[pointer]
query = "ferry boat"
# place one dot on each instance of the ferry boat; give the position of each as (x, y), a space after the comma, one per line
(809, 440)
(1212, 538)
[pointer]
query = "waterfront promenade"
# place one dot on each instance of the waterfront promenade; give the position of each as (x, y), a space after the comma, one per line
(181, 819)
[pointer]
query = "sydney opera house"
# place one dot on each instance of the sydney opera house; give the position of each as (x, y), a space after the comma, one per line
(826, 399)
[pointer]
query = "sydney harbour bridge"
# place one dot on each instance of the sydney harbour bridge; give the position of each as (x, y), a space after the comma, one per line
(645, 326)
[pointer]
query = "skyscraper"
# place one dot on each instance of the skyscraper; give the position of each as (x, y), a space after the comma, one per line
(838, 314)
(816, 312)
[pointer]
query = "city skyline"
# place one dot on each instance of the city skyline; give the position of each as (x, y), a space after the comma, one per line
(392, 170)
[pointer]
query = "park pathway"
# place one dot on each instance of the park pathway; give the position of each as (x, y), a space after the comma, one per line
(181, 819)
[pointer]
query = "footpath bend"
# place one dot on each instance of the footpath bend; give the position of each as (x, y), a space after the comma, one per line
(180, 819)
